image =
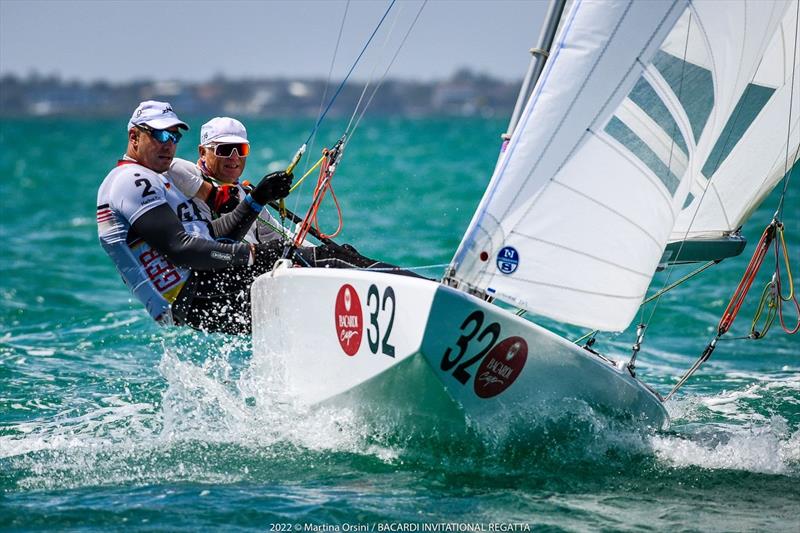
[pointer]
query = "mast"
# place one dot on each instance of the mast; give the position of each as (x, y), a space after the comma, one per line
(538, 57)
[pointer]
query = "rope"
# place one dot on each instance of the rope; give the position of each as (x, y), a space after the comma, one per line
(390, 269)
(729, 315)
(328, 166)
(792, 297)
(326, 172)
(767, 299)
(750, 272)
(388, 68)
(313, 137)
(341, 85)
(312, 169)
(643, 324)
(374, 68)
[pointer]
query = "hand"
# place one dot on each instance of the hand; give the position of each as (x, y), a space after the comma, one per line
(223, 199)
(272, 187)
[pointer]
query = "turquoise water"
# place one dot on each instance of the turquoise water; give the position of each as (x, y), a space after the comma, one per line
(108, 422)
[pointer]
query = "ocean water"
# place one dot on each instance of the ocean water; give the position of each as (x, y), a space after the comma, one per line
(108, 422)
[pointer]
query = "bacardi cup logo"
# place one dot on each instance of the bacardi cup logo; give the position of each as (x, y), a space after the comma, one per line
(349, 327)
(501, 367)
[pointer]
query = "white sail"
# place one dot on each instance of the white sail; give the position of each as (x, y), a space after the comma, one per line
(580, 208)
(752, 155)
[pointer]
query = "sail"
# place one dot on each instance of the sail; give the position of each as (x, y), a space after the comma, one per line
(758, 142)
(583, 202)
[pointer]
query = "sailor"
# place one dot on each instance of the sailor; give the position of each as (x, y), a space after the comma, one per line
(169, 253)
(164, 246)
(223, 152)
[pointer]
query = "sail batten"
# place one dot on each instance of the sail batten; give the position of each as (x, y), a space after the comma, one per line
(644, 111)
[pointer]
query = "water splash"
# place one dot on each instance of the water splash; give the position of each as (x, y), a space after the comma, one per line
(221, 417)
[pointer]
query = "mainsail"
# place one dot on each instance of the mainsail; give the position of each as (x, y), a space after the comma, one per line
(621, 132)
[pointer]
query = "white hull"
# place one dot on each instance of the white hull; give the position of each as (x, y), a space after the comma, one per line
(384, 343)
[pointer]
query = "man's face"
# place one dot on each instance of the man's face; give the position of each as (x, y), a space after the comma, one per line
(151, 153)
(224, 169)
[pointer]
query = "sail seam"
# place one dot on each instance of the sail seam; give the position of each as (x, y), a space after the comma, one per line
(585, 254)
(657, 184)
(612, 210)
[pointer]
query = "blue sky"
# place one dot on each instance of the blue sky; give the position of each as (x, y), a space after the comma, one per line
(194, 40)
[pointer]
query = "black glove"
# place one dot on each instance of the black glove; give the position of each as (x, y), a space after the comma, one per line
(272, 187)
(223, 199)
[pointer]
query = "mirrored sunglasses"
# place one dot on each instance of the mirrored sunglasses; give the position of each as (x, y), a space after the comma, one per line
(226, 150)
(162, 136)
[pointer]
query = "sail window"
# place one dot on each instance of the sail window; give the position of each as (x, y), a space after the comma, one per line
(625, 136)
(692, 84)
(753, 100)
(646, 98)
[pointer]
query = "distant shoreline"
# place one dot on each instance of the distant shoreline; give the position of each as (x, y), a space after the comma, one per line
(463, 94)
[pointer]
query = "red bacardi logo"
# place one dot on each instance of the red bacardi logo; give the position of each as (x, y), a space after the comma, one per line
(501, 367)
(348, 319)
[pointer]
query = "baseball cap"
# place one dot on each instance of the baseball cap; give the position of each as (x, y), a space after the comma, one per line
(157, 115)
(223, 130)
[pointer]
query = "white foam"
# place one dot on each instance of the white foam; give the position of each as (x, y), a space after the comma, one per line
(765, 448)
(207, 404)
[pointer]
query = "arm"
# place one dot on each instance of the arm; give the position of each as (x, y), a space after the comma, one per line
(234, 225)
(163, 231)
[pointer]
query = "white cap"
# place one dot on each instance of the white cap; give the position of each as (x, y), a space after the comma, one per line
(223, 130)
(157, 115)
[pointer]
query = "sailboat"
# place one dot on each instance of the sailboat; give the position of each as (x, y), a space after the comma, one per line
(647, 137)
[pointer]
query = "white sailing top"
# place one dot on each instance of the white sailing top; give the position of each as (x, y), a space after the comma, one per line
(127, 192)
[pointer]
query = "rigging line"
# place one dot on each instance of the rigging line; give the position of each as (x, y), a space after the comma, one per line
(374, 68)
(412, 268)
(671, 268)
(330, 74)
(341, 85)
(644, 324)
(652, 297)
(718, 162)
(388, 67)
(786, 171)
(313, 137)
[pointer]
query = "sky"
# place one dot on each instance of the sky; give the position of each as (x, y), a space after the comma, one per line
(194, 40)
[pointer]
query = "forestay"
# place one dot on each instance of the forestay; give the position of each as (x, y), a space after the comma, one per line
(585, 198)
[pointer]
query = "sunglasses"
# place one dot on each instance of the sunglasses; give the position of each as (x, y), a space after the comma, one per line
(227, 149)
(162, 136)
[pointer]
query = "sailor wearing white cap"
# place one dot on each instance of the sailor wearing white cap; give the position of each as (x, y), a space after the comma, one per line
(156, 115)
(223, 151)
